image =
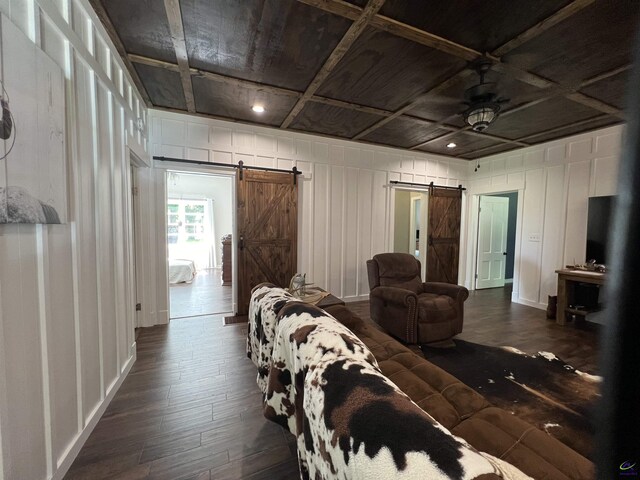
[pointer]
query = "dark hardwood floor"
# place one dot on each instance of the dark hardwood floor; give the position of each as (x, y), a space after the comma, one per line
(190, 408)
(490, 318)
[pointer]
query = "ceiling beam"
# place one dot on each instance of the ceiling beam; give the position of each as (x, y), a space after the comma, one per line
(103, 16)
(595, 104)
(546, 132)
(466, 130)
(180, 45)
(526, 105)
(564, 127)
(238, 82)
(605, 75)
(422, 37)
(495, 138)
(460, 75)
(540, 27)
(337, 7)
(350, 106)
(435, 139)
(152, 62)
(355, 30)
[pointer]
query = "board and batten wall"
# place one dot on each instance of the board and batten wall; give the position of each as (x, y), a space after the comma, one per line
(345, 203)
(66, 291)
(346, 206)
(554, 181)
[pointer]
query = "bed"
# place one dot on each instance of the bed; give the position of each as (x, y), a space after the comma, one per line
(181, 270)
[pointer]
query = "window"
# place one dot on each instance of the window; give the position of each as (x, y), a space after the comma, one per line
(185, 220)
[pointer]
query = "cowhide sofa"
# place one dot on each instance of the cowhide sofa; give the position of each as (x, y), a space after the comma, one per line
(339, 384)
(324, 385)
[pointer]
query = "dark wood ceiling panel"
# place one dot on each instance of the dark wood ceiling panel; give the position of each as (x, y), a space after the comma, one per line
(404, 132)
(450, 101)
(505, 147)
(464, 143)
(238, 53)
(546, 115)
(143, 27)
(385, 71)
(332, 120)
(163, 86)
(594, 40)
(572, 129)
(277, 42)
(482, 26)
(611, 90)
(235, 102)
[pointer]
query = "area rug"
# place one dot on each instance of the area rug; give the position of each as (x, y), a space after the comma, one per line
(538, 388)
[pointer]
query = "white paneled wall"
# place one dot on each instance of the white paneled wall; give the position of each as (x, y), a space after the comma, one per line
(344, 193)
(66, 299)
(345, 202)
(554, 181)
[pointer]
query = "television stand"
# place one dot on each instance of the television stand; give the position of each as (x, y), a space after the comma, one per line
(567, 281)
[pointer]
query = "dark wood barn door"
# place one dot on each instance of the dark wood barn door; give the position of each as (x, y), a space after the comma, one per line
(443, 247)
(267, 231)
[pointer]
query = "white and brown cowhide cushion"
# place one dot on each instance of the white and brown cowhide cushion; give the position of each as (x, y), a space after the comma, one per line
(266, 302)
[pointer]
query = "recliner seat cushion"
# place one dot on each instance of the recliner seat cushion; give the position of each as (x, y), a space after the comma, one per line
(437, 308)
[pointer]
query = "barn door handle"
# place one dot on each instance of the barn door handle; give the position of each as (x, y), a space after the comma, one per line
(241, 242)
(430, 239)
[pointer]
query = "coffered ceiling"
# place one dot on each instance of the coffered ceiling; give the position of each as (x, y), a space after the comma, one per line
(388, 72)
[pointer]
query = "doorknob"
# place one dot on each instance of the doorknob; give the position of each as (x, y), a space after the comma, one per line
(241, 242)
(504, 253)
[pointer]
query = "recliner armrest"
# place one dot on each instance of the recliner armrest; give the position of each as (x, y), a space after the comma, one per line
(398, 296)
(457, 292)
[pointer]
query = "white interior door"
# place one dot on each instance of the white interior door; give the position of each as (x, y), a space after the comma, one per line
(419, 216)
(492, 241)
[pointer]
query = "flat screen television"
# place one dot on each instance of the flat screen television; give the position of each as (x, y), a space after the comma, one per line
(599, 227)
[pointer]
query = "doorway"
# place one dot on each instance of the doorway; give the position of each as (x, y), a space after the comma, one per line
(199, 209)
(410, 225)
(496, 239)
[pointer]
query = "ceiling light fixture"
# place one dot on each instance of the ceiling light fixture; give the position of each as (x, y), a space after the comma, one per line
(258, 108)
(484, 104)
(451, 145)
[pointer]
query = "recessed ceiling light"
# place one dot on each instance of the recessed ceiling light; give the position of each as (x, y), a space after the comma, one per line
(258, 108)
(451, 145)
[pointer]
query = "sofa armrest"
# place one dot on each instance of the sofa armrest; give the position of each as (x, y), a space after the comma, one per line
(395, 295)
(457, 292)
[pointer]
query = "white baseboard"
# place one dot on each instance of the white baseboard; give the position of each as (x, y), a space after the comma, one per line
(67, 458)
(529, 303)
(355, 298)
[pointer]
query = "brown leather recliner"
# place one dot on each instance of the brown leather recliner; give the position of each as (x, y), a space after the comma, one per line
(409, 309)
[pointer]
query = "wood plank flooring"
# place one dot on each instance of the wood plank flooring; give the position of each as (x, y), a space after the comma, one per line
(190, 408)
(204, 296)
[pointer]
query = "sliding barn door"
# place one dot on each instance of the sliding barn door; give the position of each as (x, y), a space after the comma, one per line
(443, 248)
(267, 231)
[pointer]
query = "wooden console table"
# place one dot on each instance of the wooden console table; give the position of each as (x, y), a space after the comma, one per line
(566, 283)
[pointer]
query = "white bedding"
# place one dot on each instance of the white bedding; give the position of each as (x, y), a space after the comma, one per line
(181, 270)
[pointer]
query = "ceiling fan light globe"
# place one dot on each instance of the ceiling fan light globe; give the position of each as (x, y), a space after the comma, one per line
(480, 118)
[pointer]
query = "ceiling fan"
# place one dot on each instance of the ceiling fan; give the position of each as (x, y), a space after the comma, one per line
(483, 101)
